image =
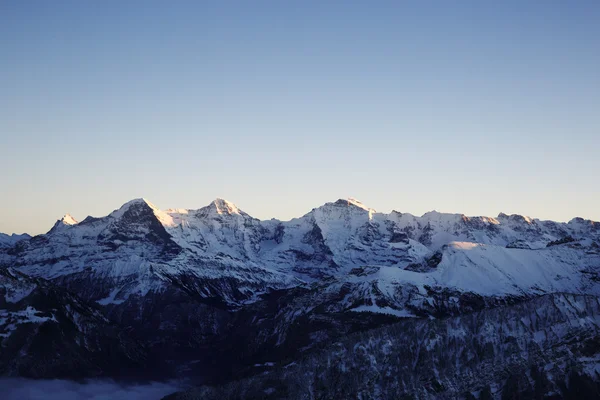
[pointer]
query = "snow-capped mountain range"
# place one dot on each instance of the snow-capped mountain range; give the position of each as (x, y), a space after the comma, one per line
(10, 240)
(142, 248)
(184, 279)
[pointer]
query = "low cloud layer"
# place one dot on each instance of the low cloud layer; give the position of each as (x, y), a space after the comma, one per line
(28, 389)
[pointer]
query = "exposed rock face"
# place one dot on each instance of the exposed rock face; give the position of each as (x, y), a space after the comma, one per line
(46, 332)
(564, 240)
(543, 348)
(213, 291)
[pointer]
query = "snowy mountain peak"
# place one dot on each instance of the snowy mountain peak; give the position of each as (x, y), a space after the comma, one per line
(433, 213)
(351, 202)
(516, 218)
(582, 221)
(222, 206)
(10, 240)
(141, 200)
(196, 280)
(357, 203)
(135, 202)
(67, 219)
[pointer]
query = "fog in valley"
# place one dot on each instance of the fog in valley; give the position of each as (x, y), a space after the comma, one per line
(18, 389)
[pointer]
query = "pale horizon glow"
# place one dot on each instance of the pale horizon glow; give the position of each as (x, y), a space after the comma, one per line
(466, 108)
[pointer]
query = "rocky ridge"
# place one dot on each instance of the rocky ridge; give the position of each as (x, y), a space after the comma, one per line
(195, 286)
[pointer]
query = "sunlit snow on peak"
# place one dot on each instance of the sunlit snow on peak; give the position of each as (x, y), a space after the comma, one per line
(68, 220)
(357, 203)
(464, 245)
(223, 206)
(517, 218)
(64, 223)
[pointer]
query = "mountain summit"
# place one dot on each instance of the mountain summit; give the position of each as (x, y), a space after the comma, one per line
(66, 221)
(220, 207)
(215, 291)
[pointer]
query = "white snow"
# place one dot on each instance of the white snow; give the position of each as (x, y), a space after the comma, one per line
(10, 240)
(111, 298)
(123, 209)
(383, 310)
(464, 245)
(68, 220)
(222, 241)
(10, 319)
(225, 207)
(16, 294)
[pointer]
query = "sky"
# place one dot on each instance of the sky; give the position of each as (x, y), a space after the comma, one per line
(474, 107)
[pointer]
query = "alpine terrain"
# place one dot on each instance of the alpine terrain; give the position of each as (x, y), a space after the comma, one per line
(342, 302)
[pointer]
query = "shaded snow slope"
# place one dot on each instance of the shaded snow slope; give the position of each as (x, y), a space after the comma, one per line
(47, 332)
(139, 248)
(7, 241)
(193, 284)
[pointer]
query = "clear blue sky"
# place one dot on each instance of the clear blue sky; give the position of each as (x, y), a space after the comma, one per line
(470, 106)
